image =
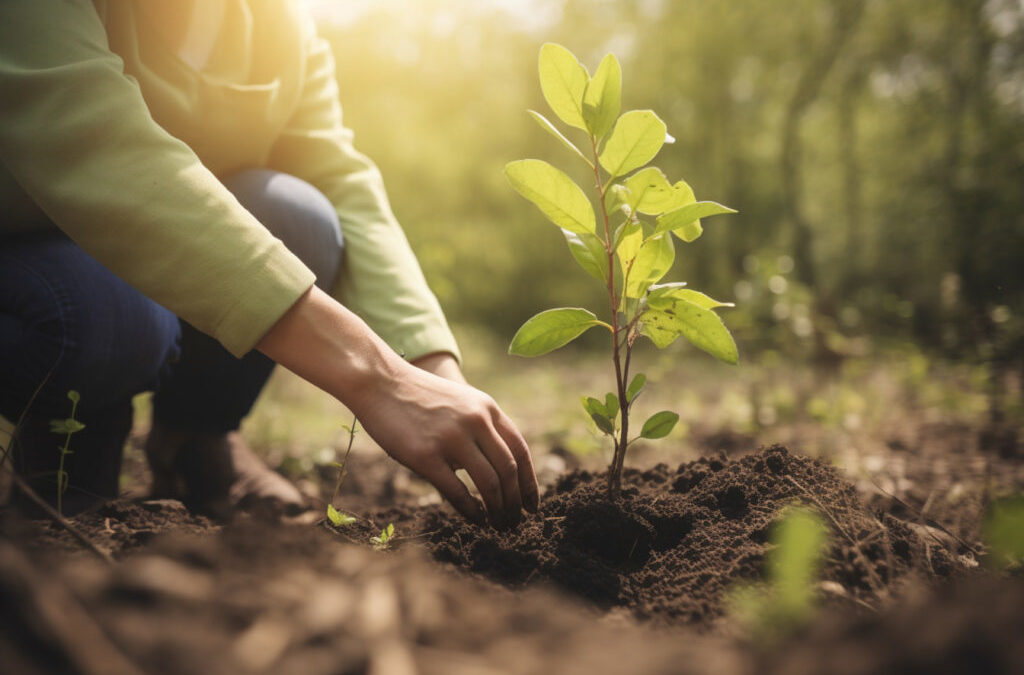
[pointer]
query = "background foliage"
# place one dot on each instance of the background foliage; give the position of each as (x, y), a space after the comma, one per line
(873, 148)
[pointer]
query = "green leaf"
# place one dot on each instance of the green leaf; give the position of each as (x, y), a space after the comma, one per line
(628, 240)
(684, 222)
(603, 423)
(793, 563)
(663, 296)
(592, 406)
(74, 396)
(702, 327)
(551, 329)
(603, 97)
(652, 262)
(553, 193)
(682, 194)
(611, 405)
(636, 139)
(338, 518)
(1003, 529)
(563, 80)
(588, 251)
(659, 424)
(639, 380)
(650, 191)
(66, 426)
(551, 129)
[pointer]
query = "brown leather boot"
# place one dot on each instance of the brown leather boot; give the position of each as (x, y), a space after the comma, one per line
(214, 474)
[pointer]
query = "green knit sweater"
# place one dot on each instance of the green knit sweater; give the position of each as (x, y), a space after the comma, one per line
(106, 132)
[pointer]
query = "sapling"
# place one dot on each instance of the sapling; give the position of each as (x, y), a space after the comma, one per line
(67, 426)
(336, 517)
(384, 540)
(628, 246)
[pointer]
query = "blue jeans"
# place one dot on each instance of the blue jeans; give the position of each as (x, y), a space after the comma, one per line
(68, 323)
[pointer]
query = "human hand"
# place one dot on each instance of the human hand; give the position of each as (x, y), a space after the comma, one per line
(435, 426)
(431, 424)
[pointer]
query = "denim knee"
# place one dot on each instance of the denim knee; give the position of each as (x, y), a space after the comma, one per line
(296, 213)
(67, 321)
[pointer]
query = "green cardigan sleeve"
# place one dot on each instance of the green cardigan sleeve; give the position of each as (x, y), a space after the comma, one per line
(381, 280)
(77, 136)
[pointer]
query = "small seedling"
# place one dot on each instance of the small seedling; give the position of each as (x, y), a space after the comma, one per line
(786, 601)
(1004, 533)
(387, 536)
(337, 518)
(68, 427)
(628, 247)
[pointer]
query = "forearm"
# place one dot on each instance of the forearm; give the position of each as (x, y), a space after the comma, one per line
(329, 346)
(425, 417)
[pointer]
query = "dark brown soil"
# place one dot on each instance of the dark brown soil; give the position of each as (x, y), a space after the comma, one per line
(677, 539)
(642, 572)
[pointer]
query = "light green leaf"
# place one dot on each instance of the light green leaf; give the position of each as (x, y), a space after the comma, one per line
(682, 194)
(637, 137)
(652, 262)
(702, 327)
(628, 240)
(552, 329)
(593, 407)
(793, 564)
(338, 518)
(563, 80)
(663, 296)
(684, 222)
(650, 191)
(603, 97)
(611, 405)
(589, 252)
(659, 425)
(551, 129)
(639, 380)
(66, 426)
(74, 396)
(553, 193)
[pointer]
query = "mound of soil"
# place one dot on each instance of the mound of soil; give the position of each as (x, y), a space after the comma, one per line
(676, 539)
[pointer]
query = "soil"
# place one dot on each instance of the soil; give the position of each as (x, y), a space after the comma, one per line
(677, 539)
(587, 585)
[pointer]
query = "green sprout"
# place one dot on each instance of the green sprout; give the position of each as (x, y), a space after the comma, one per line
(337, 518)
(1004, 533)
(786, 601)
(68, 427)
(628, 247)
(386, 538)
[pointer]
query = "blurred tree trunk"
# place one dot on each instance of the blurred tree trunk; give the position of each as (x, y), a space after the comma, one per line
(849, 98)
(846, 15)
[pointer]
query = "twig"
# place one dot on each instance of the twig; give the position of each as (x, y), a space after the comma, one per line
(27, 490)
(876, 581)
(930, 522)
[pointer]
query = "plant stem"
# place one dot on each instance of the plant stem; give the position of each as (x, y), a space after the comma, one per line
(344, 462)
(62, 476)
(615, 470)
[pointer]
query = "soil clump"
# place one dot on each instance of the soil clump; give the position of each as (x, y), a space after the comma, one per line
(677, 539)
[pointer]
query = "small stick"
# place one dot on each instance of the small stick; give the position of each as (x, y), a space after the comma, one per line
(930, 522)
(27, 490)
(874, 578)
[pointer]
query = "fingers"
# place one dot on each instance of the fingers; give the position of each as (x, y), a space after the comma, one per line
(527, 477)
(504, 464)
(487, 480)
(453, 489)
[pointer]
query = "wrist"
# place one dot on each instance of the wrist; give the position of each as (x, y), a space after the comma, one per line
(329, 346)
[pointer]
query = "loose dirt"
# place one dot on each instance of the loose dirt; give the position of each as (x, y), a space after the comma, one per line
(678, 538)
